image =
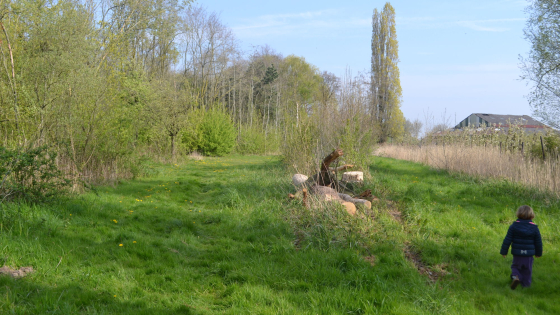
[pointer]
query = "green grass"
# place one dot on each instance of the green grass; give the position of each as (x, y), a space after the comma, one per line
(219, 237)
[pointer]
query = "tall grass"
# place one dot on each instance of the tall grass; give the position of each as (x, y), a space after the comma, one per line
(482, 161)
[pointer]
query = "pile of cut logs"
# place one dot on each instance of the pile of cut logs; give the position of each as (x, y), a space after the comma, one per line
(324, 186)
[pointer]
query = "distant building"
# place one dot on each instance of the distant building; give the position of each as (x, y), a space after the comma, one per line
(502, 122)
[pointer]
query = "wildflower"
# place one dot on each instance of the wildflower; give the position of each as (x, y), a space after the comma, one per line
(70, 214)
(115, 221)
(134, 242)
(115, 295)
(120, 245)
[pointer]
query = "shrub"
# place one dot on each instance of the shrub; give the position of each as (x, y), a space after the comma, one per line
(30, 175)
(191, 135)
(357, 143)
(300, 149)
(217, 133)
(251, 141)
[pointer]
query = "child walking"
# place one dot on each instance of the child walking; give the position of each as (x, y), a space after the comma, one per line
(525, 239)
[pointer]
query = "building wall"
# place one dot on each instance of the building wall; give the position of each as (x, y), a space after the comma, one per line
(472, 121)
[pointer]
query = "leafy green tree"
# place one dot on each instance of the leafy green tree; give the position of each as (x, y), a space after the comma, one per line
(542, 66)
(302, 85)
(386, 92)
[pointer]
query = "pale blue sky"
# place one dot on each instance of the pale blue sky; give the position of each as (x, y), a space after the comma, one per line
(460, 57)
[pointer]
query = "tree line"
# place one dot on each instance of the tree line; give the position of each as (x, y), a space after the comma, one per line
(102, 83)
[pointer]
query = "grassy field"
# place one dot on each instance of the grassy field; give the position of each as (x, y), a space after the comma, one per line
(219, 236)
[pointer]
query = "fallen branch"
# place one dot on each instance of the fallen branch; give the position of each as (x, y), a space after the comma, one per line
(341, 168)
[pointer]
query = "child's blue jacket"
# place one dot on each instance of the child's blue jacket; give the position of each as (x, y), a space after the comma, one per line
(525, 239)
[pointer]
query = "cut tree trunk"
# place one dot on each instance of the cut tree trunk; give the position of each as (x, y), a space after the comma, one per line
(325, 178)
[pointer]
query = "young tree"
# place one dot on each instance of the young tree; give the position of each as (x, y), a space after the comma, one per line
(542, 66)
(386, 92)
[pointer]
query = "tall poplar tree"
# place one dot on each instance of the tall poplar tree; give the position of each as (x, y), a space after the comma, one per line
(386, 92)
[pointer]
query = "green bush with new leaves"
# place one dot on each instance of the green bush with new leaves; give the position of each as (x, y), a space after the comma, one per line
(216, 134)
(30, 175)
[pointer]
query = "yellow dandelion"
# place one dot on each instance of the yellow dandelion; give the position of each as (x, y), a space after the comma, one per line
(134, 242)
(120, 245)
(70, 214)
(191, 201)
(115, 295)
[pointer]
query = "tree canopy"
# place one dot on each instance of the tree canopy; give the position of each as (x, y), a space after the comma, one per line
(541, 67)
(103, 82)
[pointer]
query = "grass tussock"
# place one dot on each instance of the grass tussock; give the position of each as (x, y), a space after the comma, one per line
(482, 162)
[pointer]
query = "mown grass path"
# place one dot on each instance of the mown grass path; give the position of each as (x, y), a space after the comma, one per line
(217, 237)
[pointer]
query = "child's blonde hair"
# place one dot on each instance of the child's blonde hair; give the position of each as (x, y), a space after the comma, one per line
(525, 213)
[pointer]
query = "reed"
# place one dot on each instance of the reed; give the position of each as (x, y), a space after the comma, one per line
(488, 162)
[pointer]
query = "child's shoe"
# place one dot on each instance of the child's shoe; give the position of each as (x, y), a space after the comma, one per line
(515, 282)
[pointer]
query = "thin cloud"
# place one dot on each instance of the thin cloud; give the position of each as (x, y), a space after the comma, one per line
(483, 25)
(478, 27)
(429, 22)
(466, 68)
(293, 24)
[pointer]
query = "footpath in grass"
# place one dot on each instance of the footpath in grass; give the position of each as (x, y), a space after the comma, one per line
(218, 236)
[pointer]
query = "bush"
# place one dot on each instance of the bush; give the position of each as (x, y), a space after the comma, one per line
(30, 175)
(357, 143)
(251, 141)
(300, 149)
(216, 133)
(551, 143)
(191, 135)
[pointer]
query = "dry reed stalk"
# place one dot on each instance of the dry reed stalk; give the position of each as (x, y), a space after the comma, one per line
(483, 162)
(195, 156)
(95, 172)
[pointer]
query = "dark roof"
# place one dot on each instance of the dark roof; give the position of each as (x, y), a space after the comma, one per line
(504, 120)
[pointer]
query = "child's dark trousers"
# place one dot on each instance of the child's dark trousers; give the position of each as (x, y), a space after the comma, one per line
(522, 267)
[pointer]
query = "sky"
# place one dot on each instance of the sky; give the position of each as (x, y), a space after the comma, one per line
(456, 57)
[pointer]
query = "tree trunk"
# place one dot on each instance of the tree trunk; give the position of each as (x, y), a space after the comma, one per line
(324, 178)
